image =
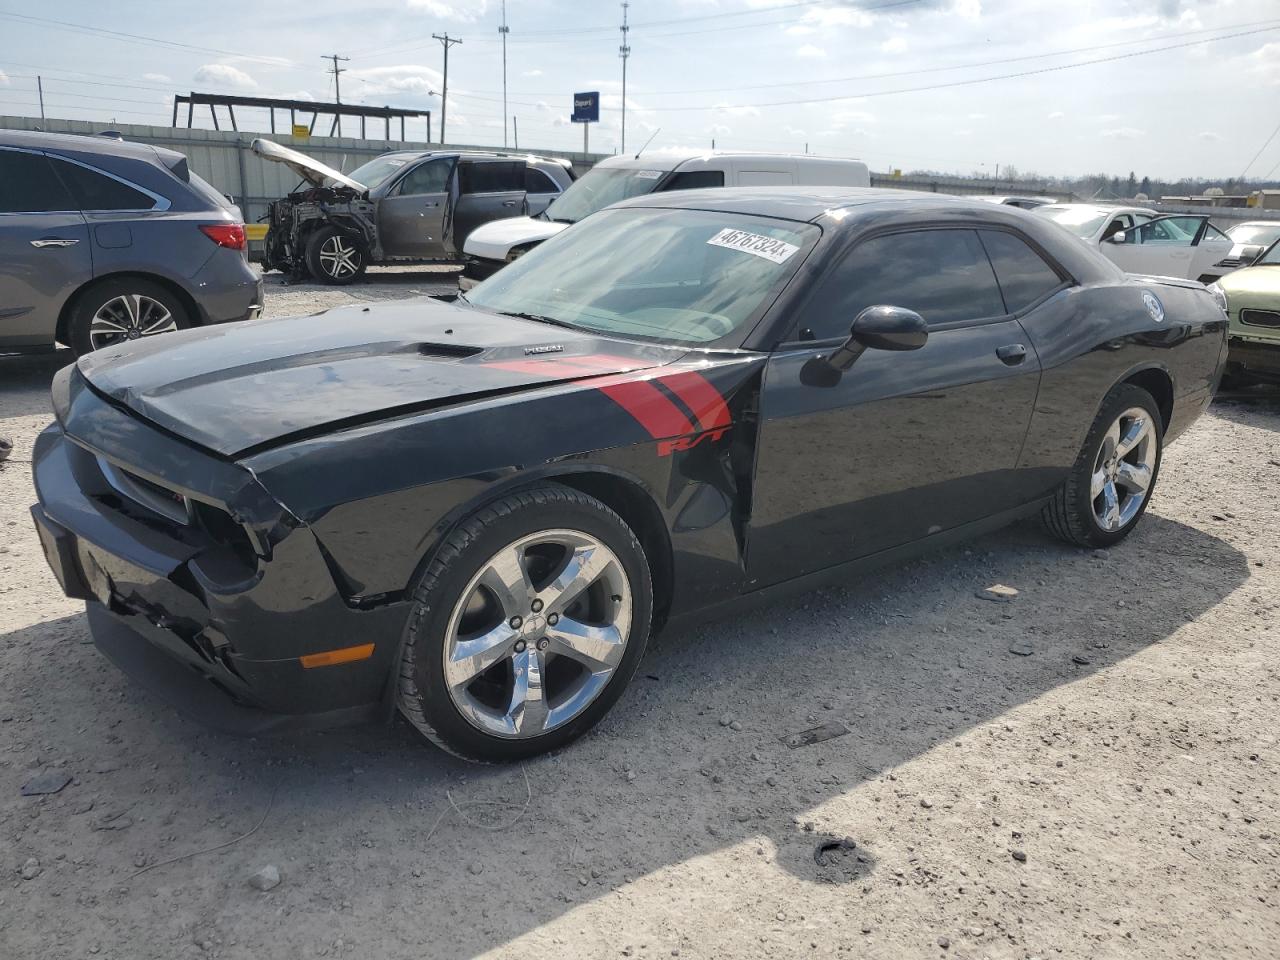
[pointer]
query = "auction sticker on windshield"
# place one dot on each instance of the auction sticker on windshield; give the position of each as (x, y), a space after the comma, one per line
(756, 244)
(648, 174)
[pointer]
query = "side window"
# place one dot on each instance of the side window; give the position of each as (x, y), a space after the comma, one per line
(1024, 276)
(96, 191)
(696, 179)
(429, 177)
(492, 176)
(28, 184)
(944, 275)
(535, 181)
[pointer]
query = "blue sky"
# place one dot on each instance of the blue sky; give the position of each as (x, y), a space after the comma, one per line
(715, 69)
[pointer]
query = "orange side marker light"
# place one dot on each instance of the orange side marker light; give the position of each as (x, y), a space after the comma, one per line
(330, 658)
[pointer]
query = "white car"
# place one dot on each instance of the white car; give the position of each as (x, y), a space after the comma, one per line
(492, 246)
(1142, 241)
(1250, 239)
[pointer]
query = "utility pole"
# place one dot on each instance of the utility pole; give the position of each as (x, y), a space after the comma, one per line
(40, 87)
(624, 51)
(446, 41)
(515, 130)
(504, 30)
(337, 90)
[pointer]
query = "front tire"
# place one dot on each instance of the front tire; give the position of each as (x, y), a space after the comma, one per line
(526, 626)
(335, 258)
(117, 310)
(1110, 484)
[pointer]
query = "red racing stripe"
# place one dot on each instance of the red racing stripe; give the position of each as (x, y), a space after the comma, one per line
(650, 407)
(697, 393)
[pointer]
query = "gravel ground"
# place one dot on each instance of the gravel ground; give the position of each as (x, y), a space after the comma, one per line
(1089, 771)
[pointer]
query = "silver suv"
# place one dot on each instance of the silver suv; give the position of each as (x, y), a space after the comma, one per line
(103, 241)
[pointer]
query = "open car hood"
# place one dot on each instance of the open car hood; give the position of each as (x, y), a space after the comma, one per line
(312, 171)
(241, 387)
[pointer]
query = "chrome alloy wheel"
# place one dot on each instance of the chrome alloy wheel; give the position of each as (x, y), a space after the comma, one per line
(537, 633)
(129, 317)
(339, 257)
(1123, 469)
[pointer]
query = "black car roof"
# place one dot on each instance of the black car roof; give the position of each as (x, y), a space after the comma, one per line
(803, 203)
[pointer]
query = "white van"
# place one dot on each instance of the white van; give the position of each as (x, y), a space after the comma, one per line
(495, 244)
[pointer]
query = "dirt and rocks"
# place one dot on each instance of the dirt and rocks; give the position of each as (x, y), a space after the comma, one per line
(896, 768)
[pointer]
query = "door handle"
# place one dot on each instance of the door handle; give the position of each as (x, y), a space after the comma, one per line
(1012, 354)
(509, 203)
(53, 242)
(432, 203)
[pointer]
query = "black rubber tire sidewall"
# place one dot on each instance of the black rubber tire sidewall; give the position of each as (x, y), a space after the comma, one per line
(92, 299)
(546, 507)
(1075, 500)
(316, 240)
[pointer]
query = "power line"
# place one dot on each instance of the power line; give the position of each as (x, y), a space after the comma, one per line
(1259, 153)
(139, 38)
(968, 82)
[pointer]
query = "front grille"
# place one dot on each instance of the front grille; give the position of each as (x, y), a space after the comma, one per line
(1260, 318)
(168, 504)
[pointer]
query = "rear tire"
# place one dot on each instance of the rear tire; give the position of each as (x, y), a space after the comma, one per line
(333, 257)
(1109, 486)
(117, 310)
(526, 626)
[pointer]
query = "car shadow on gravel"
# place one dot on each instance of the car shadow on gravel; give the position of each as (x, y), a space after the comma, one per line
(382, 838)
(22, 373)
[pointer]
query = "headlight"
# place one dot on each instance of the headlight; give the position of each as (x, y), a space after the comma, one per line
(1219, 295)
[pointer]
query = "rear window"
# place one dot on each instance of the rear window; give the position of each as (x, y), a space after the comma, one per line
(1023, 274)
(696, 180)
(496, 177)
(97, 191)
(208, 192)
(28, 184)
(535, 181)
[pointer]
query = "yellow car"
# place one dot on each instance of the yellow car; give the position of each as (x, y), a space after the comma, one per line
(1253, 304)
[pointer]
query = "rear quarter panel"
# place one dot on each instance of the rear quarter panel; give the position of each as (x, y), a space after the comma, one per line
(1090, 338)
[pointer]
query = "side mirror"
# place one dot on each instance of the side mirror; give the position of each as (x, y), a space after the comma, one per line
(1117, 237)
(880, 327)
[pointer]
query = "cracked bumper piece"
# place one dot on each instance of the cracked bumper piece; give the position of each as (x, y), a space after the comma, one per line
(240, 641)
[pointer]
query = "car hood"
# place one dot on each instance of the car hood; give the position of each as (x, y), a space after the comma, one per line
(494, 240)
(312, 171)
(1252, 282)
(241, 388)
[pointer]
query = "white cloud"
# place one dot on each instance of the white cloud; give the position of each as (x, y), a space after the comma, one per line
(842, 118)
(810, 52)
(156, 78)
(968, 9)
(445, 10)
(532, 73)
(719, 130)
(225, 75)
(1057, 115)
(1209, 136)
(1265, 63)
(1123, 133)
(800, 30)
(405, 78)
(977, 116)
(894, 45)
(791, 131)
(4, 79)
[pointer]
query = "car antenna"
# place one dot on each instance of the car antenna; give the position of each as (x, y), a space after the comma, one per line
(647, 142)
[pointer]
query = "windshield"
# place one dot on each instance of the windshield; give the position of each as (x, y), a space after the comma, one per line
(1271, 258)
(690, 276)
(1082, 221)
(598, 188)
(380, 169)
(1261, 233)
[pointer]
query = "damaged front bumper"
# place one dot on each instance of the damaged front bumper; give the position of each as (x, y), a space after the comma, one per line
(198, 583)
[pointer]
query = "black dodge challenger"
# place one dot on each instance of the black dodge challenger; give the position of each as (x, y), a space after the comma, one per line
(479, 511)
